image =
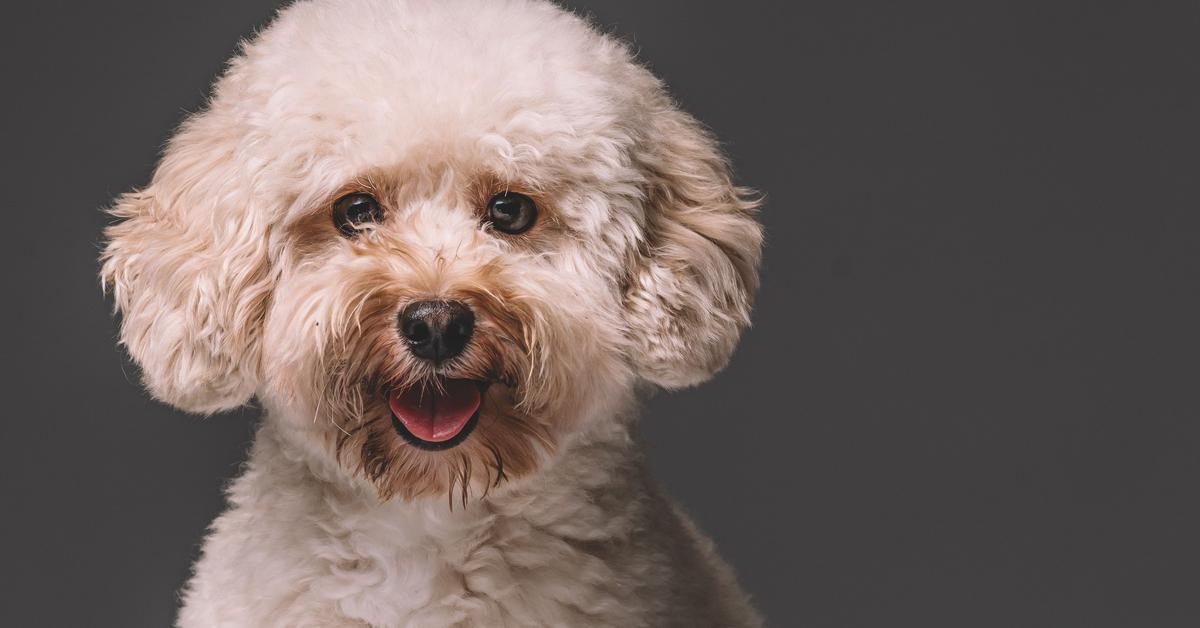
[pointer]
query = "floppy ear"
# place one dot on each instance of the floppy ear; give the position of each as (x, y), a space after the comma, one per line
(690, 292)
(188, 270)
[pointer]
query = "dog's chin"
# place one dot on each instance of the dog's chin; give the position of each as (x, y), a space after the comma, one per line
(437, 415)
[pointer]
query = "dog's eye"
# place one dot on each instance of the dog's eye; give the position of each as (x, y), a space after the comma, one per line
(512, 213)
(355, 210)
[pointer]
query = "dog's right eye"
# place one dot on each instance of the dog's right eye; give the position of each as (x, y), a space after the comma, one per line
(353, 211)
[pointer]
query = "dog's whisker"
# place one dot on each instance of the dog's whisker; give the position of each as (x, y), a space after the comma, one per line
(450, 490)
(465, 467)
(499, 463)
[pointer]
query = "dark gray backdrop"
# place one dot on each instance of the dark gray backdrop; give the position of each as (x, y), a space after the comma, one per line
(970, 395)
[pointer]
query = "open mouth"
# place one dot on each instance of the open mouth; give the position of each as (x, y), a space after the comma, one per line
(436, 416)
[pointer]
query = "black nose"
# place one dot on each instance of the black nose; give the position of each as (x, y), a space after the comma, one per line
(437, 330)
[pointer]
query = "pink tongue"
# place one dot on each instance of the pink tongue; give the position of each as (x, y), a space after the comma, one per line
(436, 414)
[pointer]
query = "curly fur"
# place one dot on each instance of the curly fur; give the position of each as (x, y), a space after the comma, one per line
(233, 283)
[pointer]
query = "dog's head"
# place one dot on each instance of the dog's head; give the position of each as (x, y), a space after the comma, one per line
(434, 238)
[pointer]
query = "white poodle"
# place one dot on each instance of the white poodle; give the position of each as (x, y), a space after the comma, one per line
(444, 244)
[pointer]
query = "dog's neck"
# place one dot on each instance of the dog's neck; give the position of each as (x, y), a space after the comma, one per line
(298, 512)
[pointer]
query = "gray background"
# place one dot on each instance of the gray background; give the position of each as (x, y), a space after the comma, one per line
(970, 395)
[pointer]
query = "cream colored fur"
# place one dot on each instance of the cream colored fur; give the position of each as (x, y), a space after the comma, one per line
(232, 284)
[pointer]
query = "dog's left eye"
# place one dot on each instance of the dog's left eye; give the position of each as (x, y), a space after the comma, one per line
(355, 210)
(512, 213)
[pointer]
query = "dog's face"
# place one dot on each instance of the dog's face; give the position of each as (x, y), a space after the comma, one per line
(434, 239)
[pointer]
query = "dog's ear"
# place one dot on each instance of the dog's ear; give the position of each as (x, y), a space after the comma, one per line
(691, 288)
(189, 272)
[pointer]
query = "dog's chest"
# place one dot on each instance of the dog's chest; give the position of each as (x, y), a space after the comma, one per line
(433, 570)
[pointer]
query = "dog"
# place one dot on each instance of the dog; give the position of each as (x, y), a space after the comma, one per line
(447, 246)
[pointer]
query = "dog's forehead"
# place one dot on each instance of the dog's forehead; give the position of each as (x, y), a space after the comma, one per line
(502, 84)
